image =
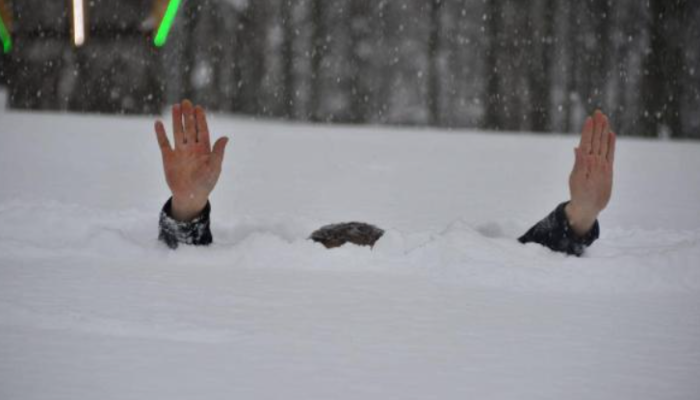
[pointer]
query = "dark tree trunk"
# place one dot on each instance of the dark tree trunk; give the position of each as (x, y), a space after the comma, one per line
(252, 58)
(359, 28)
(434, 104)
(237, 50)
(662, 86)
(318, 39)
(288, 83)
(492, 117)
(604, 51)
(573, 32)
(540, 74)
(595, 63)
(190, 54)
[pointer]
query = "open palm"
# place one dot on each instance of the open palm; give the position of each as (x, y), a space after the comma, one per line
(192, 168)
(591, 179)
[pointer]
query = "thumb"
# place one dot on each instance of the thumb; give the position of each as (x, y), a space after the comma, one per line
(219, 149)
(162, 137)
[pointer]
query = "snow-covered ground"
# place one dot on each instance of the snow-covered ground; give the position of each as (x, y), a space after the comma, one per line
(447, 306)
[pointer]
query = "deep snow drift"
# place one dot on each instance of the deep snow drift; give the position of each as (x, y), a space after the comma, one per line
(447, 306)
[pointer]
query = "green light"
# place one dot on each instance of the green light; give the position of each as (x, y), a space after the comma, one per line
(166, 23)
(5, 36)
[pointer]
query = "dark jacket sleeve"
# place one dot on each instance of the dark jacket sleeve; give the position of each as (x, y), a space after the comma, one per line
(195, 232)
(554, 232)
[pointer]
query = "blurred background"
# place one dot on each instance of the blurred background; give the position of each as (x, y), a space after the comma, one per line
(538, 65)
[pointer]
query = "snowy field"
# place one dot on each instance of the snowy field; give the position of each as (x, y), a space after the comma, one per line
(447, 306)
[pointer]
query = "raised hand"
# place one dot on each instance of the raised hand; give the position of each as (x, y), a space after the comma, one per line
(192, 168)
(590, 182)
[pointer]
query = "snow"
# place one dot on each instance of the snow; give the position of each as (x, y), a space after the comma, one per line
(448, 305)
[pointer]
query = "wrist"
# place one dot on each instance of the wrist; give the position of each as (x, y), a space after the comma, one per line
(581, 220)
(187, 208)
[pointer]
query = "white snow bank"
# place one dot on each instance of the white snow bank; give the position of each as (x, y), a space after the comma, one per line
(625, 260)
(447, 305)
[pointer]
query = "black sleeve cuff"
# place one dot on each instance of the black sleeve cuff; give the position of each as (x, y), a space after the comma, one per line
(173, 232)
(555, 233)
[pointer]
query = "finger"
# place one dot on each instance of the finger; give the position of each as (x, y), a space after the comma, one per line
(219, 149)
(202, 128)
(162, 137)
(586, 136)
(178, 131)
(612, 141)
(585, 164)
(190, 124)
(589, 162)
(605, 137)
(597, 130)
(578, 159)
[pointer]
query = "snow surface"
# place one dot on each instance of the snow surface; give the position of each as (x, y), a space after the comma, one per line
(447, 306)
